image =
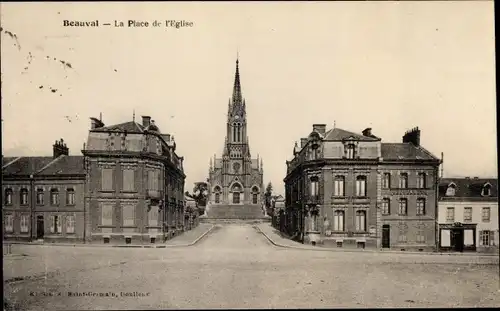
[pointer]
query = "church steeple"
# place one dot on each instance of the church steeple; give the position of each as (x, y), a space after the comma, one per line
(237, 86)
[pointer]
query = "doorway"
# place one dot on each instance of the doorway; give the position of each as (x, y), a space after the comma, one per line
(386, 236)
(236, 198)
(40, 229)
(457, 240)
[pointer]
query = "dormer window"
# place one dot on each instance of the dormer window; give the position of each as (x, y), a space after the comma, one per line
(486, 190)
(314, 152)
(350, 151)
(451, 190)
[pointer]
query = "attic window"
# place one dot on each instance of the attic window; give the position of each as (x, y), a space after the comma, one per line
(350, 151)
(486, 190)
(451, 190)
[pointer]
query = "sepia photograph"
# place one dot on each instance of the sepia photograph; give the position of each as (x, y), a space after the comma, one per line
(249, 155)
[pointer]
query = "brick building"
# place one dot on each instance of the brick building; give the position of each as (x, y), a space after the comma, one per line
(43, 197)
(135, 183)
(468, 214)
(352, 190)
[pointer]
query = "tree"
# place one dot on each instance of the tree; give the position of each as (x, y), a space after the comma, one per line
(268, 195)
(200, 193)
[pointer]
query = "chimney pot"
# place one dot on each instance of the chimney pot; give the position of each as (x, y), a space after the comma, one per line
(367, 132)
(146, 121)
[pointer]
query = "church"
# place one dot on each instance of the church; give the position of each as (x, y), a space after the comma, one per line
(236, 178)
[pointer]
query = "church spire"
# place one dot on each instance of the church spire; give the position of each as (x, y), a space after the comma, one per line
(237, 87)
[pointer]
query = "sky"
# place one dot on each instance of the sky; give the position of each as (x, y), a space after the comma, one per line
(390, 66)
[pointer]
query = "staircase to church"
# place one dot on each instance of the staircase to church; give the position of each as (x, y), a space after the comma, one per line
(235, 212)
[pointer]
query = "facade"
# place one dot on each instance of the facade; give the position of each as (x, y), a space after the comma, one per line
(236, 178)
(468, 214)
(352, 190)
(43, 197)
(135, 183)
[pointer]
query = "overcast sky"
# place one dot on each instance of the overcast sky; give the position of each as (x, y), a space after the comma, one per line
(389, 66)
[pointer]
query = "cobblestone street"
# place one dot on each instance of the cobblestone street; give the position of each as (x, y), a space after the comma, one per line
(235, 266)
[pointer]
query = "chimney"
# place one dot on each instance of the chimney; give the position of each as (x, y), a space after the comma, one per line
(367, 132)
(167, 137)
(303, 142)
(475, 177)
(60, 148)
(412, 136)
(146, 121)
(95, 123)
(320, 128)
(467, 177)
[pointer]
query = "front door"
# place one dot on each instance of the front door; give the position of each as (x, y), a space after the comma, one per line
(386, 236)
(457, 240)
(236, 198)
(39, 227)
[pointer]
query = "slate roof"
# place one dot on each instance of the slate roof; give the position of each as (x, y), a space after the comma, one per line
(130, 126)
(405, 151)
(468, 187)
(337, 134)
(63, 165)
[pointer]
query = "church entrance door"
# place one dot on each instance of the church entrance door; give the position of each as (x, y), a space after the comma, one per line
(236, 198)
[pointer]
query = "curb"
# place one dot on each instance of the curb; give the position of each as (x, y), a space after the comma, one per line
(369, 251)
(113, 246)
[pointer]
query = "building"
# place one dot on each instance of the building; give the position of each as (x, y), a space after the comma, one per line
(236, 178)
(468, 214)
(353, 190)
(135, 183)
(43, 197)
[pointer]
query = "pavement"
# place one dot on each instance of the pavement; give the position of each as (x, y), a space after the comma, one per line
(236, 266)
(281, 240)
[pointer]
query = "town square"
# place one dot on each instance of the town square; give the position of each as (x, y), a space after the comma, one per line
(264, 167)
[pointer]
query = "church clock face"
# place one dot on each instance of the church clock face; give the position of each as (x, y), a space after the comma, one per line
(236, 167)
(237, 117)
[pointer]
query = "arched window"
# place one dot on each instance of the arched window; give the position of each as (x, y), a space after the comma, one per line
(217, 194)
(313, 190)
(486, 190)
(8, 196)
(255, 195)
(54, 197)
(24, 196)
(361, 221)
(350, 151)
(234, 132)
(450, 191)
(338, 221)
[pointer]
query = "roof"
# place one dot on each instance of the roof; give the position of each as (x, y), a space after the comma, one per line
(468, 187)
(218, 163)
(405, 151)
(130, 126)
(340, 134)
(63, 165)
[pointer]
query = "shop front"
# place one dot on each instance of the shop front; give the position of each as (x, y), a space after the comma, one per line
(457, 237)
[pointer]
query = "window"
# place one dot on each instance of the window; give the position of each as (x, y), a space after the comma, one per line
(128, 215)
(420, 207)
(153, 177)
(39, 196)
(54, 197)
(450, 191)
(24, 196)
(486, 190)
(420, 236)
(8, 197)
(403, 207)
(338, 221)
(361, 221)
(254, 198)
(9, 223)
(128, 180)
(386, 206)
(107, 215)
(350, 151)
(386, 182)
(450, 214)
(467, 213)
(402, 238)
(486, 238)
(70, 224)
(486, 214)
(361, 186)
(421, 181)
(338, 184)
(24, 223)
(55, 224)
(314, 186)
(403, 180)
(107, 179)
(70, 196)
(217, 197)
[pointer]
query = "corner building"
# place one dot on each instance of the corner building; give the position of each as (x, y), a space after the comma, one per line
(236, 178)
(135, 183)
(352, 190)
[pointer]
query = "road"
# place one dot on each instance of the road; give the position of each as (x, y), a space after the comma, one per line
(237, 267)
